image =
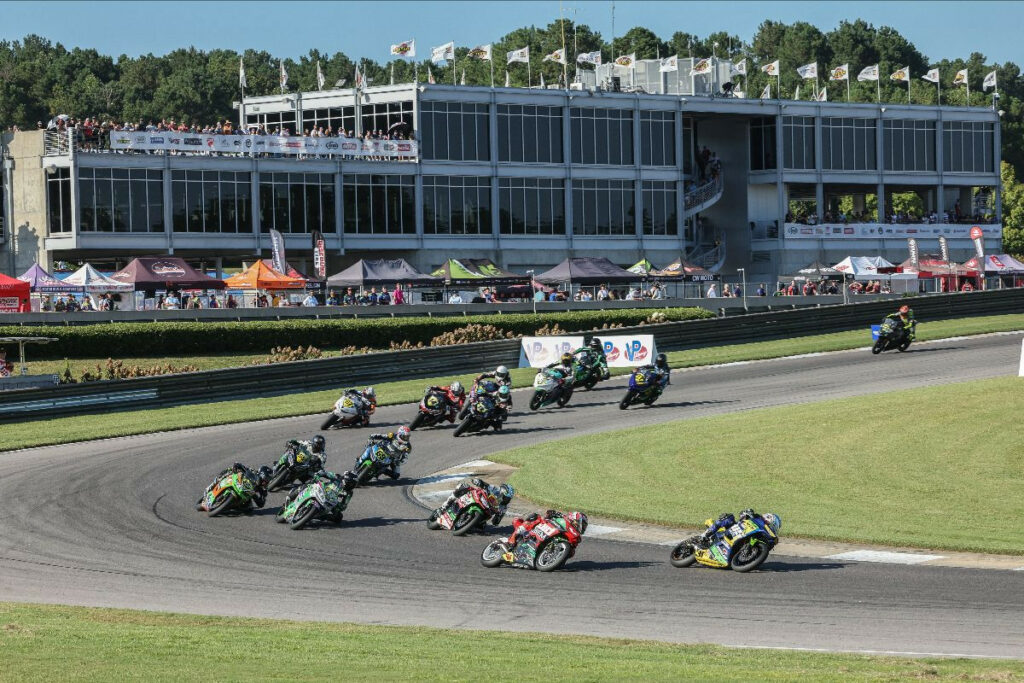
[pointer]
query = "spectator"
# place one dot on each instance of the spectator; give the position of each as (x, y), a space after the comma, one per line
(350, 298)
(398, 296)
(712, 290)
(602, 293)
(231, 303)
(455, 298)
(738, 291)
(213, 303)
(332, 298)
(310, 300)
(374, 297)
(6, 366)
(726, 290)
(538, 295)
(384, 299)
(657, 292)
(761, 291)
(172, 302)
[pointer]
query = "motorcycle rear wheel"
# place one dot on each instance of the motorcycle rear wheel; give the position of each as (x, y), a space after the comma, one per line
(417, 421)
(466, 522)
(904, 346)
(304, 516)
(553, 555)
(749, 557)
(329, 422)
(223, 502)
(432, 522)
(491, 556)
(683, 554)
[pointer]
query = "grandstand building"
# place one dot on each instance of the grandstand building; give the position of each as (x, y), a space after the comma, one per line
(523, 176)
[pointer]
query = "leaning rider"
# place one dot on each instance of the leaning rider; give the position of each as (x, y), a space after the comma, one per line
(906, 318)
(396, 446)
(260, 477)
(310, 454)
(563, 365)
(346, 482)
(521, 526)
(594, 353)
(454, 396)
(726, 520)
(503, 494)
(501, 376)
(365, 402)
(660, 369)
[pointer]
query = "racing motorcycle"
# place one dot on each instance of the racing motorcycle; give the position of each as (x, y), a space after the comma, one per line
(316, 500)
(892, 335)
(373, 462)
(232, 491)
(292, 466)
(488, 386)
(467, 512)
(433, 409)
(483, 414)
(743, 547)
(586, 372)
(547, 547)
(346, 414)
(550, 386)
(644, 387)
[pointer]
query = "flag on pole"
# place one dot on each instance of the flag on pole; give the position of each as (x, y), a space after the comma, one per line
(771, 69)
(961, 77)
(320, 80)
(589, 58)
(840, 73)
(282, 75)
(482, 52)
(241, 74)
(359, 78)
(443, 53)
(508, 81)
(990, 81)
(900, 74)
(766, 94)
(430, 76)
(823, 95)
(626, 61)
(556, 56)
(406, 49)
(868, 73)
(462, 81)
(702, 66)
(520, 55)
(738, 68)
(668, 64)
(808, 71)
(932, 75)
(796, 95)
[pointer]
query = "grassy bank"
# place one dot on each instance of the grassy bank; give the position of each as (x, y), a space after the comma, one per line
(43, 643)
(936, 467)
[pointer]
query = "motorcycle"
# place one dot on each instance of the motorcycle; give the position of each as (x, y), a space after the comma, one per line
(347, 414)
(546, 547)
(315, 500)
(433, 409)
(488, 386)
(550, 386)
(234, 490)
(644, 387)
(586, 372)
(743, 547)
(290, 467)
(892, 335)
(373, 462)
(483, 415)
(467, 512)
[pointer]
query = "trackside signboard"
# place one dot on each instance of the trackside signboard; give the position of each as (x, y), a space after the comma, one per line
(623, 351)
(536, 352)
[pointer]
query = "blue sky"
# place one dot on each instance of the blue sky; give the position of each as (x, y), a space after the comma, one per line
(365, 29)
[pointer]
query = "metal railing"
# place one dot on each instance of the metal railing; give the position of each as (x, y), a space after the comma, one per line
(59, 143)
(705, 193)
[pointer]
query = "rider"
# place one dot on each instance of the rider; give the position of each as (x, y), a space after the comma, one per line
(261, 477)
(365, 401)
(521, 526)
(727, 519)
(454, 395)
(564, 366)
(660, 368)
(502, 403)
(311, 453)
(500, 376)
(397, 447)
(346, 482)
(906, 317)
(503, 494)
(595, 355)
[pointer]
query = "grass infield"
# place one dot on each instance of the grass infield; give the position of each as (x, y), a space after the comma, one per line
(46, 643)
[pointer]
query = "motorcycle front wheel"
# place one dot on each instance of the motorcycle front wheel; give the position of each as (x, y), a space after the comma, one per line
(432, 523)
(748, 557)
(877, 348)
(417, 421)
(329, 422)
(463, 426)
(363, 476)
(683, 554)
(491, 556)
(626, 400)
(466, 522)
(553, 555)
(223, 502)
(537, 399)
(304, 516)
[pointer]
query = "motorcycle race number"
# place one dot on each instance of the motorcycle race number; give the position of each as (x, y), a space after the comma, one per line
(543, 530)
(466, 500)
(736, 530)
(346, 403)
(629, 351)
(536, 352)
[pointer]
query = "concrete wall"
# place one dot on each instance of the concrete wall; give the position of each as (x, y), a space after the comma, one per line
(27, 193)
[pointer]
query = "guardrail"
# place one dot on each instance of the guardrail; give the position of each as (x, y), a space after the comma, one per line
(268, 380)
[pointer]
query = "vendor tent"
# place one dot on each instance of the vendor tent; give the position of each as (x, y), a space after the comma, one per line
(14, 295)
(43, 283)
(379, 272)
(164, 272)
(642, 267)
(680, 269)
(930, 265)
(92, 280)
(864, 267)
(289, 270)
(818, 270)
(478, 272)
(587, 271)
(997, 264)
(260, 276)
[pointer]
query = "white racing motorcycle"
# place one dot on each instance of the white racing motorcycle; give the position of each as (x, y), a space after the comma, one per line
(346, 414)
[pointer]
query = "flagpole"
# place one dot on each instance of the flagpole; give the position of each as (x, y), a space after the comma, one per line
(454, 69)
(565, 62)
(529, 73)
(938, 92)
(492, 70)
(968, 82)
(847, 85)
(908, 86)
(878, 87)
(778, 84)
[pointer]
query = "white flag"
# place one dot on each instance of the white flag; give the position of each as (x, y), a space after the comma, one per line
(840, 73)
(556, 56)
(508, 81)
(320, 80)
(241, 74)
(406, 49)
(443, 53)
(358, 78)
(282, 75)
(626, 61)
(766, 94)
(823, 95)
(900, 74)
(868, 73)
(932, 75)
(702, 66)
(739, 68)
(961, 77)
(808, 70)
(771, 69)
(669, 64)
(462, 81)
(520, 55)
(990, 81)
(481, 52)
(589, 58)
(430, 76)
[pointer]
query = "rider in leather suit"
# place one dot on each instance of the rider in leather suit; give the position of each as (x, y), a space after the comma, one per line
(503, 494)
(397, 447)
(454, 394)
(260, 476)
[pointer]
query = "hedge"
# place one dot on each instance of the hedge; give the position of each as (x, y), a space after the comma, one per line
(182, 339)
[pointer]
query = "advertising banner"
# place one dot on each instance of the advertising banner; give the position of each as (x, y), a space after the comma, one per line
(831, 231)
(536, 352)
(629, 351)
(277, 252)
(978, 236)
(198, 143)
(12, 304)
(319, 256)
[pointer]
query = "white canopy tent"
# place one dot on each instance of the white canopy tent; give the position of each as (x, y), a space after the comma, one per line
(94, 282)
(863, 267)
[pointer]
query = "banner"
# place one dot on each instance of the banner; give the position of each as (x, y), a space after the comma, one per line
(556, 56)
(589, 58)
(277, 251)
(771, 69)
(915, 255)
(808, 70)
(840, 73)
(10, 304)
(932, 75)
(198, 143)
(626, 61)
(944, 248)
(990, 81)
(520, 55)
(481, 52)
(669, 64)
(319, 256)
(978, 236)
(878, 231)
(536, 352)
(701, 66)
(443, 53)
(738, 68)
(629, 351)
(900, 74)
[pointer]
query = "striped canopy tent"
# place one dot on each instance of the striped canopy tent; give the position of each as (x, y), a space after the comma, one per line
(42, 282)
(260, 276)
(89, 279)
(478, 272)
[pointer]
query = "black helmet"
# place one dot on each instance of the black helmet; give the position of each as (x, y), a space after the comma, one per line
(349, 480)
(596, 344)
(317, 444)
(263, 475)
(661, 361)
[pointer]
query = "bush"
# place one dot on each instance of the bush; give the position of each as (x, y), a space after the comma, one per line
(116, 369)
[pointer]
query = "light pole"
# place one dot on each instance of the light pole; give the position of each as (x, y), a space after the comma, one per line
(533, 294)
(743, 274)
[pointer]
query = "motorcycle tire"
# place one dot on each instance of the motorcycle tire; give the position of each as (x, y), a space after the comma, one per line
(224, 501)
(463, 427)
(417, 422)
(903, 346)
(279, 516)
(535, 402)
(491, 556)
(742, 561)
(463, 412)
(877, 348)
(363, 476)
(683, 554)
(650, 401)
(562, 400)
(331, 420)
(304, 516)
(558, 558)
(626, 401)
(466, 522)
(591, 383)
(432, 522)
(281, 479)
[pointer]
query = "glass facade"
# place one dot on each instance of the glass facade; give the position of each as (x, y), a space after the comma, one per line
(273, 120)
(658, 138)
(211, 201)
(380, 204)
(121, 200)
(296, 202)
(381, 116)
(530, 134)
(968, 147)
(689, 150)
(602, 136)
(762, 144)
(848, 144)
(335, 118)
(456, 205)
(531, 206)
(455, 131)
(909, 145)
(659, 202)
(58, 200)
(798, 142)
(603, 207)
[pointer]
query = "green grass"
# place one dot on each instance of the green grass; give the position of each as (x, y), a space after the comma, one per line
(936, 467)
(46, 643)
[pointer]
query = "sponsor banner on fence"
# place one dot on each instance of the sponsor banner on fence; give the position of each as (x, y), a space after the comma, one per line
(12, 304)
(262, 144)
(629, 351)
(536, 352)
(797, 231)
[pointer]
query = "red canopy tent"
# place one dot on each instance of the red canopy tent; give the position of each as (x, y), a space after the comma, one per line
(14, 295)
(949, 274)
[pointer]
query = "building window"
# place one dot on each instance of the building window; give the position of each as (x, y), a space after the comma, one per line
(602, 136)
(297, 202)
(658, 138)
(382, 115)
(273, 120)
(530, 134)
(380, 204)
(456, 205)
(659, 217)
(336, 118)
(531, 206)
(455, 131)
(798, 142)
(58, 200)
(848, 144)
(603, 207)
(121, 200)
(762, 144)
(968, 147)
(909, 145)
(211, 201)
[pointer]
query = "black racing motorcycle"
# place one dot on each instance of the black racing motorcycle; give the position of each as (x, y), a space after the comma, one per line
(893, 334)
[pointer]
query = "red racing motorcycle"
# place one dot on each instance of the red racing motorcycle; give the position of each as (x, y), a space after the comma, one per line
(546, 547)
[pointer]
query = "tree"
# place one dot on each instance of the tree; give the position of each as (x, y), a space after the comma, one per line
(1013, 211)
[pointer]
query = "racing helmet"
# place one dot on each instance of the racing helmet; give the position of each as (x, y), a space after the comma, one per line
(567, 358)
(661, 361)
(773, 521)
(504, 391)
(369, 393)
(456, 388)
(579, 520)
(501, 372)
(507, 491)
(263, 475)
(402, 434)
(595, 344)
(317, 444)
(904, 309)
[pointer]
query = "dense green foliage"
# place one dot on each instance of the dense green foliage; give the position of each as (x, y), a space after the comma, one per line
(181, 339)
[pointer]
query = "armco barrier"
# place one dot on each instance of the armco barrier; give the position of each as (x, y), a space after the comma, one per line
(266, 380)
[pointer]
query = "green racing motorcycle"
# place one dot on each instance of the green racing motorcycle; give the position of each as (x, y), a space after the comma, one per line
(316, 500)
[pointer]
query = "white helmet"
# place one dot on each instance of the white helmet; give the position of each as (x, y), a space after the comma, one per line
(368, 392)
(501, 372)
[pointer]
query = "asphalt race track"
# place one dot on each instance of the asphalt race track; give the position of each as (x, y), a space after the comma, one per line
(112, 523)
